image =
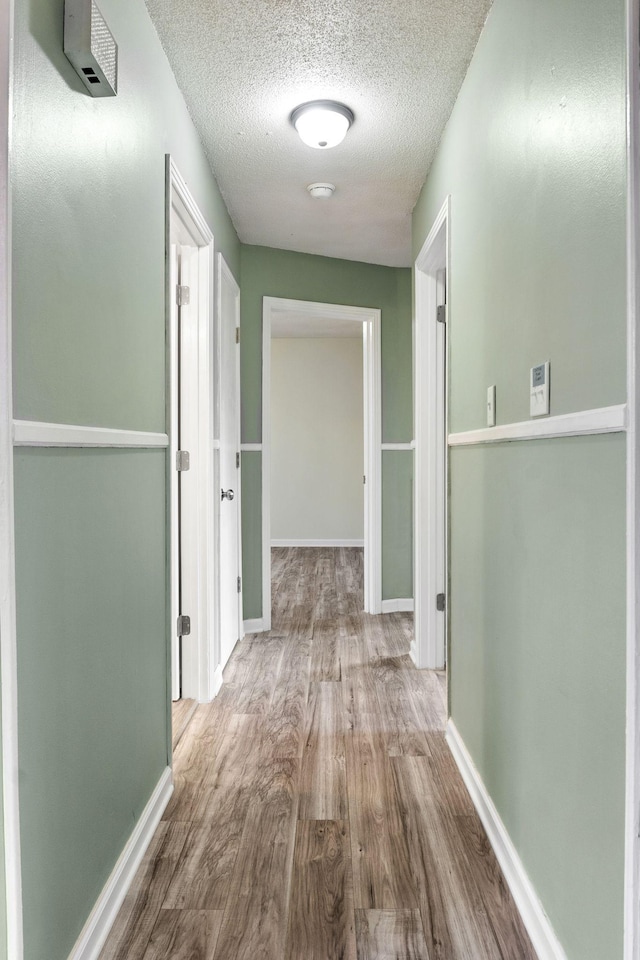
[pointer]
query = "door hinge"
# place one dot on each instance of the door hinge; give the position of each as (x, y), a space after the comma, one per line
(237, 334)
(440, 602)
(364, 479)
(184, 626)
(183, 295)
(182, 460)
(441, 313)
(239, 584)
(237, 461)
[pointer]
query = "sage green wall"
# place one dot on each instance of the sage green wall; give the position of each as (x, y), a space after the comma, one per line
(90, 574)
(397, 523)
(89, 341)
(538, 665)
(252, 534)
(298, 276)
(534, 160)
(89, 219)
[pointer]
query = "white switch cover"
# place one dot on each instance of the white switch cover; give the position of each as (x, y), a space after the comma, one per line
(491, 406)
(539, 390)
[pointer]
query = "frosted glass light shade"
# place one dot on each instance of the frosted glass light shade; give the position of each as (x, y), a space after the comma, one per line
(322, 124)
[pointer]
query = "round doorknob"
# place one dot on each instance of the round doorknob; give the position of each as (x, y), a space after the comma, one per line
(228, 494)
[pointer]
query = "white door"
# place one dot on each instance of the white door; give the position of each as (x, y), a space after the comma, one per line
(188, 470)
(230, 550)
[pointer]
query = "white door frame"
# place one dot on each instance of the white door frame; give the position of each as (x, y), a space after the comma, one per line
(224, 273)
(632, 826)
(8, 646)
(430, 489)
(370, 318)
(201, 678)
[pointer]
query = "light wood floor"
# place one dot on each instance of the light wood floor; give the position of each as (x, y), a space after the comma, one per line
(181, 713)
(318, 814)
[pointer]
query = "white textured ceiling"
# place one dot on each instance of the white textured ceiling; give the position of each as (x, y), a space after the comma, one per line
(244, 65)
(285, 324)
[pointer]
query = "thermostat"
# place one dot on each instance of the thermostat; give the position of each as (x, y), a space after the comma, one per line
(90, 47)
(539, 390)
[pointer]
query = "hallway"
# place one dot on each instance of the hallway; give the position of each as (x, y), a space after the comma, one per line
(317, 812)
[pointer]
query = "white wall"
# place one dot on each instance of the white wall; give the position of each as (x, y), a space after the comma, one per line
(317, 446)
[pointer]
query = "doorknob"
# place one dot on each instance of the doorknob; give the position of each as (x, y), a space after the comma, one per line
(228, 494)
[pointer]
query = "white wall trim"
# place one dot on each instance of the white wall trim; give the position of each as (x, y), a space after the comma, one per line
(582, 423)
(251, 447)
(8, 646)
(430, 464)
(96, 929)
(398, 446)
(542, 935)
(632, 804)
(370, 318)
(34, 433)
(401, 605)
(317, 543)
(254, 626)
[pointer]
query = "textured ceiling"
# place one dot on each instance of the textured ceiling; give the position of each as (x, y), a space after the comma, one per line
(244, 65)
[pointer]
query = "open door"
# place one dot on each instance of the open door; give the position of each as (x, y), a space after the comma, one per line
(192, 391)
(230, 529)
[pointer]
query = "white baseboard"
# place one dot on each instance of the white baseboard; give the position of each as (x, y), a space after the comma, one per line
(217, 681)
(544, 940)
(401, 605)
(413, 651)
(254, 626)
(317, 543)
(95, 931)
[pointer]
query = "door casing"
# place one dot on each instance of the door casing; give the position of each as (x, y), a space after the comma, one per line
(430, 489)
(201, 671)
(225, 276)
(370, 318)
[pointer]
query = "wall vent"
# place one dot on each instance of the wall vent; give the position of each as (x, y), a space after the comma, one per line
(90, 47)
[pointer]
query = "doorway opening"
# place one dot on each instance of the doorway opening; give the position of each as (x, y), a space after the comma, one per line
(192, 383)
(429, 649)
(306, 320)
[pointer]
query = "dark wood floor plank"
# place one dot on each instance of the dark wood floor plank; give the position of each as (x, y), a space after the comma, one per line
(390, 935)
(470, 842)
(325, 650)
(184, 935)
(318, 811)
(130, 934)
(454, 921)
(323, 786)
(381, 870)
(254, 923)
(321, 917)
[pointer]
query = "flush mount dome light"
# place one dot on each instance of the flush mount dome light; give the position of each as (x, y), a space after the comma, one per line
(321, 191)
(322, 123)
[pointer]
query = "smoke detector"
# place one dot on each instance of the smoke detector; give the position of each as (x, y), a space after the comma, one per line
(321, 191)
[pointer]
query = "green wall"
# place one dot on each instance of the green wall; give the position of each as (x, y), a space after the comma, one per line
(298, 276)
(533, 158)
(89, 348)
(90, 569)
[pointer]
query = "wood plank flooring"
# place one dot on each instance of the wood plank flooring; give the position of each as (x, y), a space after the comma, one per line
(317, 812)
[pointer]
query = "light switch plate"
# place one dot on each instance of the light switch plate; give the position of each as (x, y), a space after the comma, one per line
(539, 390)
(491, 406)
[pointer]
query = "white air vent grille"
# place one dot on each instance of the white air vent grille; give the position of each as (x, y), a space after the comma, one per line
(103, 46)
(89, 45)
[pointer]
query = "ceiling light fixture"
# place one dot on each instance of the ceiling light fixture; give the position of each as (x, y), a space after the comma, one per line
(321, 191)
(322, 123)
